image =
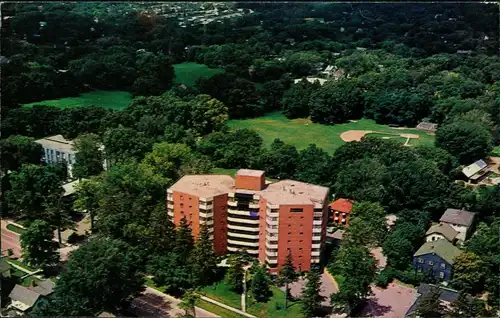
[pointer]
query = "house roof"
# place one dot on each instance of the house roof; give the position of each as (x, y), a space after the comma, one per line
(342, 205)
(57, 142)
(444, 229)
(291, 192)
(44, 288)
(24, 295)
(70, 188)
(460, 217)
(250, 173)
(474, 168)
(441, 248)
(337, 235)
(447, 295)
(204, 185)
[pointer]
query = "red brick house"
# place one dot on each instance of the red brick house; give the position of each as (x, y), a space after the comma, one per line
(340, 210)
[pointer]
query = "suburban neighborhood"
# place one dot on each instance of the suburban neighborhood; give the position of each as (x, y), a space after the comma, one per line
(250, 159)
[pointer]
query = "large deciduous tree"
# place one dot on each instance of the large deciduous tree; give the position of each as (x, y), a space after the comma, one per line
(89, 157)
(125, 143)
(468, 141)
(39, 248)
(468, 272)
(19, 150)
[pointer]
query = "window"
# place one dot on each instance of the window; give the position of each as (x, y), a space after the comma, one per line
(443, 265)
(431, 263)
(295, 210)
(441, 274)
(182, 205)
(336, 213)
(421, 260)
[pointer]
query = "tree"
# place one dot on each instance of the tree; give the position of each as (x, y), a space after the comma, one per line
(87, 193)
(170, 271)
(310, 298)
(280, 160)
(468, 272)
(203, 260)
(89, 157)
(430, 304)
(296, 99)
(260, 285)
(234, 275)
(207, 115)
(468, 141)
(368, 223)
(184, 242)
(124, 143)
(314, 166)
(467, 306)
(19, 150)
(355, 263)
(58, 214)
(37, 243)
(287, 275)
(101, 275)
(188, 303)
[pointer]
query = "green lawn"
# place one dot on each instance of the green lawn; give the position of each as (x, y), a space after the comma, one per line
(229, 172)
(188, 73)
(269, 309)
(301, 132)
(223, 293)
(117, 100)
(223, 312)
(16, 229)
(339, 279)
(23, 265)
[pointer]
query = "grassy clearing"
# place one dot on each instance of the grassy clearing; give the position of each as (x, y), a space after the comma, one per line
(222, 292)
(495, 152)
(188, 73)
(17, 229)
(339, 279)
(274, 306)
(22, 265)
(229, 172)
(301, 132)
(223, 312)
(116, 100)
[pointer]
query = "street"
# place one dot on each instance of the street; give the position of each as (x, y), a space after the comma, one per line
(10, 240)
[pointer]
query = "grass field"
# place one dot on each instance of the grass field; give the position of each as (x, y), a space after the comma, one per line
(16, 229)
(117, 100)
(301, 132)
(496, 152)
(223, 312)
(222, 293)
(229, 172)
(274, 306)
(188, 73)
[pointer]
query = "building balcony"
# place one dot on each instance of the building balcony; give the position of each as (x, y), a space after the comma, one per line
(317, 230)
(241, 220)
(317, 222)
(272, 214)
(170, 205)
(243, 228)
(271, 260)
(271, 230)
(318, 245)
(271, 254)
(230, 194)
(208, 223)
(253, 205)
(170, 213)
(315, 260)
(236, 249)
(271, 223)
(245, 236)
(232, 203)
(242, 243)
(315, 253)
(271, 244)
(206, 206)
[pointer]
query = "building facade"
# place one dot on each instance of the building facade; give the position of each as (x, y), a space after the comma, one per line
(436, 258)
(267, 220)
(339, 211)
(461, 221)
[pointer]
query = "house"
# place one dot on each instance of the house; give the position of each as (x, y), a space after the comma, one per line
(311, 80)
(460, 220)
(22, 299)
(437, 258)
(476, 171)
(441, 231)
(427, 126)
(339, 211)
(446, 297)
(332, 71)
(44, 288)
(336, 237)
(106, 314)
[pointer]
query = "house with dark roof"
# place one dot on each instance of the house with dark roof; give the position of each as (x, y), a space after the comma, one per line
(437, 258)
(441, 231)
(446, 297)
(460, 220)
(477, 171)
(339, 211)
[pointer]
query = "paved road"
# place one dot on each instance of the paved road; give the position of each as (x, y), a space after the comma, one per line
(153, 303)
(10, 240)
(327, 288)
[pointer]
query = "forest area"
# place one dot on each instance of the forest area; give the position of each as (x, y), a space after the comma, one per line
(397, 64)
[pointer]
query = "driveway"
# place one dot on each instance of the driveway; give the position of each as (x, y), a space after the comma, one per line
(153, 303)
(327, 288)
(391, 302)
(10, 240)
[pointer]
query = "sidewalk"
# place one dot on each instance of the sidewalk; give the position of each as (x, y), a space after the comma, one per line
(210, 300)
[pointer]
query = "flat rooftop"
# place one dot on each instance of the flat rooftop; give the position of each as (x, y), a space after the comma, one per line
(57, 142)
(204, 185)
(291, 192)
(250, 173)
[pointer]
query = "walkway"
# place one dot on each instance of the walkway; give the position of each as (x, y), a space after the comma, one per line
(155, 303)
(328, 287)
(10, 240)
(210, 300)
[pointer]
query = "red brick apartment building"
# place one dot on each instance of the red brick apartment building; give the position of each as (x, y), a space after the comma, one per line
(268, 220)
(340, 210)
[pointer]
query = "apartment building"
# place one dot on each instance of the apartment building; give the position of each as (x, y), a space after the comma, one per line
(266, 219)
(202, 199)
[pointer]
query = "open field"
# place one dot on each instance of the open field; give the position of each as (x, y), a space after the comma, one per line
(274, 306)
(213, 308)
(222, 293)
(117, 100)
(301, 132)
(188, 73)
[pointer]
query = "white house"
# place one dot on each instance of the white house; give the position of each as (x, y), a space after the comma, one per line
(441, 231)
(460, 220)
(58, 149)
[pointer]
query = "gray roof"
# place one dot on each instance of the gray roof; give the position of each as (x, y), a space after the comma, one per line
(444, 229)
(460, 217)
(44, 288)
(441, 248)
(447, 295)
(105, 314)
(24, 295)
